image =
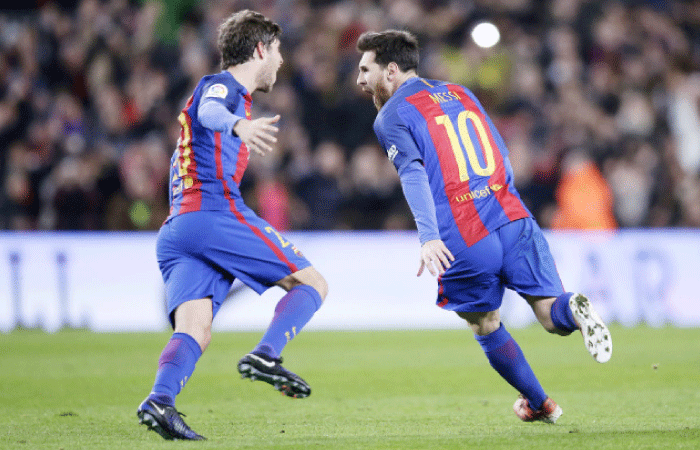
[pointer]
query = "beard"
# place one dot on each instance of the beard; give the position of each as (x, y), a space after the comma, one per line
(381, 95)
(266, 79)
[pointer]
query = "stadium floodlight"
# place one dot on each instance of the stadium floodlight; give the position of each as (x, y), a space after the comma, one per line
(486, 35)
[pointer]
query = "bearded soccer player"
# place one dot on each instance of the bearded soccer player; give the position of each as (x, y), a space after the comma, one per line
(475, 232)
(211, 237)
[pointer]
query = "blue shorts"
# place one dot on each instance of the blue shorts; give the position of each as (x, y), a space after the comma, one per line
(200, 254)
(515, 256)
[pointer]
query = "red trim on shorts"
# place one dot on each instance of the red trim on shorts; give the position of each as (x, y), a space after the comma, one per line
(292, 267)
(441, 291)
(241, 165)
(232, 205)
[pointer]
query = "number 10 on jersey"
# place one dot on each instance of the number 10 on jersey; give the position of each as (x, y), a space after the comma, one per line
(461, 134)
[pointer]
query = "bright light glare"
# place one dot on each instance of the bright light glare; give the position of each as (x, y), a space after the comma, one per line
(486, 35)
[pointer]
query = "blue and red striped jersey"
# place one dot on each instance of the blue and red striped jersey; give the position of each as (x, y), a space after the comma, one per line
(445, 127)
(207, 166)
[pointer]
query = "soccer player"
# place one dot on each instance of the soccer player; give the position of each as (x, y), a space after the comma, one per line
(475, 232)
(211, 237)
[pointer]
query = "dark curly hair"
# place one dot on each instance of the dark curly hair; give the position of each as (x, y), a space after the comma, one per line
(396, 46)
(241, 32)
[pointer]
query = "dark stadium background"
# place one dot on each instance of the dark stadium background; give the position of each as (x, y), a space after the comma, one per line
(597, 100)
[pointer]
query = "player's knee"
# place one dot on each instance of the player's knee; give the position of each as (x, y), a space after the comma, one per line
(206, 340)
(201, 333)
(203, 336)
(322, 287)
(310, 277)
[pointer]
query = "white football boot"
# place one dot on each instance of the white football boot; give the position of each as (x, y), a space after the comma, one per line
(596, 336)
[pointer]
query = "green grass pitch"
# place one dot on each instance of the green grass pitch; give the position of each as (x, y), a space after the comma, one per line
(371, 390)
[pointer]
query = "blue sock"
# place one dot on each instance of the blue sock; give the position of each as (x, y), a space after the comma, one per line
(508, 360)
(293, 311)
(175, 367)
(562, 317)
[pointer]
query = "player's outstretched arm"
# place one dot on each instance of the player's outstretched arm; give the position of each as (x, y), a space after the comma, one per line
(258, 134)
(436, 257)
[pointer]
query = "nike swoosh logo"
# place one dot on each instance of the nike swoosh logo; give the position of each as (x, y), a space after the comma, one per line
(269, 364)
(160, 411)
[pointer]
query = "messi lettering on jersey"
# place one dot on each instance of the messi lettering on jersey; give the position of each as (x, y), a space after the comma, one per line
(442, 97)
(465, 157)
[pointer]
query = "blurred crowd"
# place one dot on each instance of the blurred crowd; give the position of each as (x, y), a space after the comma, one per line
(598, 102)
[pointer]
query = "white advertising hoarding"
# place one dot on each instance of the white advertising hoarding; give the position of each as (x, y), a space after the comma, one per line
(111, 282)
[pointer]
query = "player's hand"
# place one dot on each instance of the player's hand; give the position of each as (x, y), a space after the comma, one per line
(258, 134)
(436, 257)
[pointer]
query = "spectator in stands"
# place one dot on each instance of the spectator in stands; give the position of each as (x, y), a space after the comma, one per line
(584, 198)
(84, 77)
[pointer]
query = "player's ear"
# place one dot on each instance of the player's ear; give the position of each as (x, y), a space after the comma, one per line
(260, 49)
(392, 69)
